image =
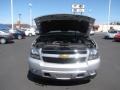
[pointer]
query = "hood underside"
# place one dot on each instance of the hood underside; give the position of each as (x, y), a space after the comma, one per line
(64, 22)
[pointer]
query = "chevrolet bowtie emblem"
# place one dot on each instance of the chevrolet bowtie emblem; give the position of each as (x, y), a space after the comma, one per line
(63, 56)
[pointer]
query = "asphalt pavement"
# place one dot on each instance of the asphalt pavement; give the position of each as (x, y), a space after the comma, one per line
(14, 68)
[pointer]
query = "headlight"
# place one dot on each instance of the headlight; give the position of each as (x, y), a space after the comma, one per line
(93, 54)
(34, 53)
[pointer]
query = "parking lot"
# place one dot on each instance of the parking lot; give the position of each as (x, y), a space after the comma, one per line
(14, 68)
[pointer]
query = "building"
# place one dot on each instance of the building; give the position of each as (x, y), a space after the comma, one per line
(105, 28)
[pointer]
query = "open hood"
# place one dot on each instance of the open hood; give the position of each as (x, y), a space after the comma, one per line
(64, 22)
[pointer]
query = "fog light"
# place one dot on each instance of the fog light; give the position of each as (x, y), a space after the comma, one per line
(92, 73)
(47, 74)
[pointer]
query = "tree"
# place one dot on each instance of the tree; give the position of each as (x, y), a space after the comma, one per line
(115, 23)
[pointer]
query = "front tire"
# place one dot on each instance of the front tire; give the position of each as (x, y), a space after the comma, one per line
(3, 40)
(30, 34)
(33, 76)
(106, 37)
(19, 37)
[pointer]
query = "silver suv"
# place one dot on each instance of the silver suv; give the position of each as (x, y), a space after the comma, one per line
(64, 49)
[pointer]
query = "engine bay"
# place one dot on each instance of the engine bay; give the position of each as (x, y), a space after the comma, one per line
(64, 39)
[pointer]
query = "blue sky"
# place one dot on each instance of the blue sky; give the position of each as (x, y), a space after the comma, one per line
(97, 9)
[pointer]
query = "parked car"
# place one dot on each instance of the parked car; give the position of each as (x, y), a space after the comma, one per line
(30, 32)
(18, 34)
(5, 36)
(111, 34)
(64, 49)
(37, 32)
(92, 32)
(117, 36)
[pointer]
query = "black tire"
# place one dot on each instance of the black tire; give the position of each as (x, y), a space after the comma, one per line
(32, 76)
(30, 34)
(19, 37)
(106, 37)
(3, 41)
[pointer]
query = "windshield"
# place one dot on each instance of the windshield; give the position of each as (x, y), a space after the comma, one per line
(62, 33)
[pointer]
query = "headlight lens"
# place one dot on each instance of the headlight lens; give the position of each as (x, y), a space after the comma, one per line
(34, 53)
(93, 54)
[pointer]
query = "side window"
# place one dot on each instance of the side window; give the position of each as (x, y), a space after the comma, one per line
(112, 31)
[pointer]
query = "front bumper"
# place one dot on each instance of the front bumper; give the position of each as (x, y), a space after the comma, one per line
(117, 39)
(64, 71)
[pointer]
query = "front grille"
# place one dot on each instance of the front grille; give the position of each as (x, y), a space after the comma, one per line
(63, 60)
